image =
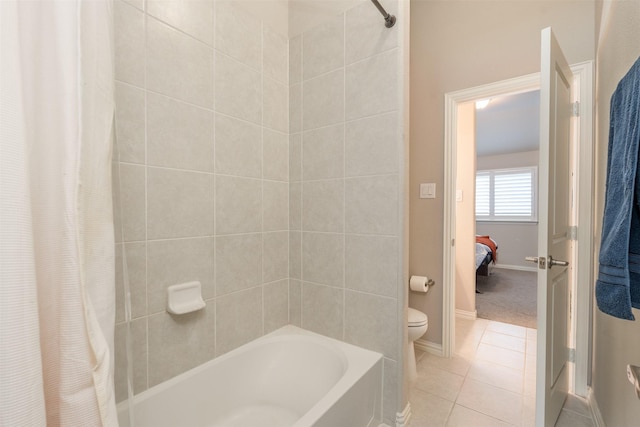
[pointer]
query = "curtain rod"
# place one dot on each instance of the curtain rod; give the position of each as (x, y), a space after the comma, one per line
(389, 19)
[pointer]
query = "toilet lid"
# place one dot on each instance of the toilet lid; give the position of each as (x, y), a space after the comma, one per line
(417, 318)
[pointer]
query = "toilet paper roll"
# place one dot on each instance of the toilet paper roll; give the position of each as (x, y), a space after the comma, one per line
(419, 284)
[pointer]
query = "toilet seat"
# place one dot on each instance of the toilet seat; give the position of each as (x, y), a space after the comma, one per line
(417, 318)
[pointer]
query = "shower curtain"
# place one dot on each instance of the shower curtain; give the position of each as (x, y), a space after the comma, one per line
(56, 220)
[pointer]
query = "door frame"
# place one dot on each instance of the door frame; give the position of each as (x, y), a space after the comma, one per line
(581, 301)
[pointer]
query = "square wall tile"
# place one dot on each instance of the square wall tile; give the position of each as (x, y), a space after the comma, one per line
(372, 264)
(238, 34)
(276, 256)
(295, 255)
(128, 23)
(238, 89)
(295, 60)
(132, 202)
(130, 125)
(171, 262)
(194, 17)
(238, 147)
(323, 100)
(275, 155)
(371, 322)
(238, 205)
(372, 205)
(323, 48)
(389, 390)
(322, 309)
(275, 105)
(137, 269)
(238, 320)
(364, 39)
(178, 65)
(171, 337)
(295, 157)
(323, 258)
(323, 205)
(295, 206)
(275, 56)
(295, 302)
(276, 206)
(372, 86)
(372, 145)
(295, 108)
(179, 135)
(180, 204)
(139, 351)
(323, 153)
(276, 305)
(238, 262)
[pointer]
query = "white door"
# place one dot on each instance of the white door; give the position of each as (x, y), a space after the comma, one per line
(554, 216)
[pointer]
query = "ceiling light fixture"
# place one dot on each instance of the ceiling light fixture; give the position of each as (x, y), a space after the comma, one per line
(482, 103)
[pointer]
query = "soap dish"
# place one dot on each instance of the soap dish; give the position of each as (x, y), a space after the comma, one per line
(185, 298)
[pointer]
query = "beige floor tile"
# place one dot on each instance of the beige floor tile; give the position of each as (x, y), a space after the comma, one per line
(507, 329)
(572, 419)
(492, 401)
(465, 417)
(457, 364)
(428, 410)
(497, 375)
(504, 341)
(439, 382)
(501, 356)
(532, 334)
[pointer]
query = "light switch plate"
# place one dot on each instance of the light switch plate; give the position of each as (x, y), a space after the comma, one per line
(428, 190)
(458, 195)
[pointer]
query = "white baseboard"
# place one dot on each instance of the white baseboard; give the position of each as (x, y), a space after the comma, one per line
(402, 418)
(515, 267)
(595, 410)
(428, 346)
(469, 315)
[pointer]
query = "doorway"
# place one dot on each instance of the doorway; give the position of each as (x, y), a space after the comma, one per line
(507, 139)
(583, 179)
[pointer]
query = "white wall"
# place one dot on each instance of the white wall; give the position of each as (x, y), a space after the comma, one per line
(616, 341)
(516, 240)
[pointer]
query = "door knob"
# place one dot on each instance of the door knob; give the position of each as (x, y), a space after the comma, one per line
(531, 259)
(553, 262)
(541, 261)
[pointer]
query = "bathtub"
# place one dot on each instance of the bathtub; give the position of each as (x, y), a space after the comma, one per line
(290, 377)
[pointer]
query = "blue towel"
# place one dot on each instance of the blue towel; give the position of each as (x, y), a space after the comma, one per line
(618, 284)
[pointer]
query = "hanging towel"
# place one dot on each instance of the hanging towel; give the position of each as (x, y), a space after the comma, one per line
(618, 284)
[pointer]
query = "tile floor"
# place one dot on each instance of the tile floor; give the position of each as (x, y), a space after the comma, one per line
(489, 382)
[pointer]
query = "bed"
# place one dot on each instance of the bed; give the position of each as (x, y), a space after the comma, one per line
(486, 254)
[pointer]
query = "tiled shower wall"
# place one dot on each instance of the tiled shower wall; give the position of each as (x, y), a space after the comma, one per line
(345, 192)
(202, 142)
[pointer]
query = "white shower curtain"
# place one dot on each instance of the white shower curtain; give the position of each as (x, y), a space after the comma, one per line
(56, 220)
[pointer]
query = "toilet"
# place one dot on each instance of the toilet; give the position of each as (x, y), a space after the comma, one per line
(417, 325)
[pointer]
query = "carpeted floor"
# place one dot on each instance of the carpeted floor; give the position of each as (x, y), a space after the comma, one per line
(508, 296)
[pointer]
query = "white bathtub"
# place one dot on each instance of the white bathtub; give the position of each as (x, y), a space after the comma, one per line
(290, 377)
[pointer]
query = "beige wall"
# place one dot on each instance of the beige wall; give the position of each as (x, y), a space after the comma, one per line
(462, 44)
(465, 209)
(616, 342)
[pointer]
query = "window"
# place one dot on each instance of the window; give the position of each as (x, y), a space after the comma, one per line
(506, 195)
